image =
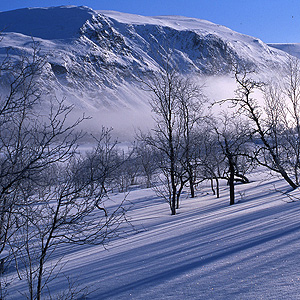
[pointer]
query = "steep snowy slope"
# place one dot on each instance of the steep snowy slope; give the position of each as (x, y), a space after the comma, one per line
(205, 45)
(94, 56)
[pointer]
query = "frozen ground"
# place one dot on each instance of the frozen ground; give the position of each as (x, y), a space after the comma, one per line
(209, 250)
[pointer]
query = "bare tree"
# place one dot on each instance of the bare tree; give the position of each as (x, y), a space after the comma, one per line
(65, 213)
(290, 110)
(165, 137)
(42, 201)
(19, 94)
(61, 197)
(190, 106)
(148, 162)
(175, 103)
(270, 153)
(211, 165)
(100, 165)
(233, 136)
(282, 108)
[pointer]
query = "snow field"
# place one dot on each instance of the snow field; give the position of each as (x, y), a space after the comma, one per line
(209, 250)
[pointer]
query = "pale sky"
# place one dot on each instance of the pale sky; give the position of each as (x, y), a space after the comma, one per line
(273, 21)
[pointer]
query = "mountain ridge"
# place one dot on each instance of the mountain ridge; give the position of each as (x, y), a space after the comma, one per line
(93, 57)
(290, 48)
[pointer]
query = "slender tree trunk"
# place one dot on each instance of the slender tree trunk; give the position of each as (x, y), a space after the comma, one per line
(231, 181)
(44, 251)
(212, 186)
(173, 204)
(40, 277)
(177, 199)
(172, 168)
(174, 191)
(148, 181)
(229, 156)
(179, 191)
(192, 187)
(218, 187)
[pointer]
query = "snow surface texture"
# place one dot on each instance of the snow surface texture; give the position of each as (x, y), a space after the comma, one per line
(94, 56)
(209, 250)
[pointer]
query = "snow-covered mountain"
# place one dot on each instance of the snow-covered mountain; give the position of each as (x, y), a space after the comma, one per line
(94, 56)
(291, 48)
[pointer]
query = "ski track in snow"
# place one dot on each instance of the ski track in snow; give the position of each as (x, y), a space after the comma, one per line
(209, 250)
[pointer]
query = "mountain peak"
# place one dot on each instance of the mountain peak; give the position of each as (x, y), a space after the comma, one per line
(49, 23)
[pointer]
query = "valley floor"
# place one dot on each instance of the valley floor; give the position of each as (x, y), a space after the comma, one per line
(209, 250)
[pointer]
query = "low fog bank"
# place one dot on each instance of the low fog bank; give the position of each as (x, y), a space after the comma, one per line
(125, 123)
(127, 120)
(218, 88)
